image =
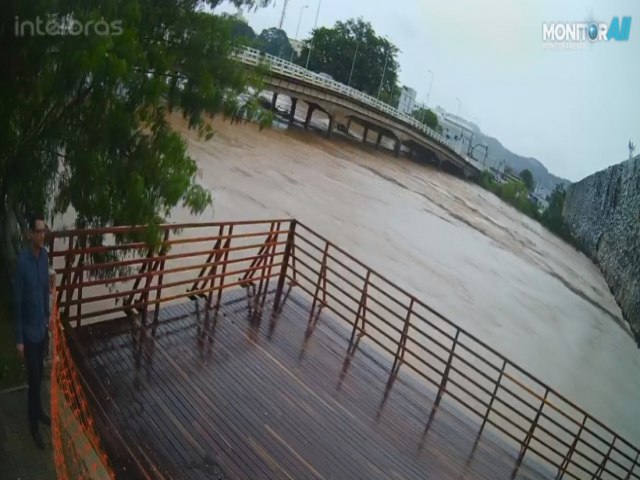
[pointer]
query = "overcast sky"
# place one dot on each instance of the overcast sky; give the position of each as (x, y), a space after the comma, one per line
(575, 111)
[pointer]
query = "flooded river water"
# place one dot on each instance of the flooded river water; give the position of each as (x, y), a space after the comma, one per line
(478, 261)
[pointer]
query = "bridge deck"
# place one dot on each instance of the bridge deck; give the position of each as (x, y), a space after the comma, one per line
(227, 401)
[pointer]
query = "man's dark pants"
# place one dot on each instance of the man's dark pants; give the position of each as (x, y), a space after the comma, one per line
(34, 358)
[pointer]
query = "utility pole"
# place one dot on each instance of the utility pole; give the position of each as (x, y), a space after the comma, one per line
(426, 105)
(314, 27)
(353, 64)
(384, 70)
(284, 12)
(430, 85)
(298, 28)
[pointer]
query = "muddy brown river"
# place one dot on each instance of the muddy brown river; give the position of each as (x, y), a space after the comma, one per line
(478, 261)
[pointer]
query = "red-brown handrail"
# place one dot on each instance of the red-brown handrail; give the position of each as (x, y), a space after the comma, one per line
(587, 452)
(252, 248)
(417, 337)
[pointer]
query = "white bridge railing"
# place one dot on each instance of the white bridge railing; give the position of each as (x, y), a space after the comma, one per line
(251, 56)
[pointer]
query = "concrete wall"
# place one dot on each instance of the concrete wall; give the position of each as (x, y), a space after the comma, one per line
(603, 212)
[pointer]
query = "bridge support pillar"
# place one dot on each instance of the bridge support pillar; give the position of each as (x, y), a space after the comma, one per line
(378, 140)
(307, 120)
(274, 99)
(292, 112)
(330, 129)
(396, 148)
(365, 133)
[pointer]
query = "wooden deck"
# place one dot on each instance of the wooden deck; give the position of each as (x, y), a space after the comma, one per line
(228, 400)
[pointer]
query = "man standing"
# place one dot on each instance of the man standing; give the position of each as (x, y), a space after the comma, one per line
(31, 305)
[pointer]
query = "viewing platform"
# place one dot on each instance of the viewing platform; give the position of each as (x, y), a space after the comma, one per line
(254, 350)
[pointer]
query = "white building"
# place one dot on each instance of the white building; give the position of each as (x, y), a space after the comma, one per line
(407, 101)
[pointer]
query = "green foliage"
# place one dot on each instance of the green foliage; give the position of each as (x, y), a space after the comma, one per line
(391, 97)
(85, 117)
(274, 42)
(552, 216)
(527, 178)
(517, 195)
(514, 193)
(240, 30)
(427, 117)
(334, 50)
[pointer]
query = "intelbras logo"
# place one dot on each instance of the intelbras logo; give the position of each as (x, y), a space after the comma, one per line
(575, 35)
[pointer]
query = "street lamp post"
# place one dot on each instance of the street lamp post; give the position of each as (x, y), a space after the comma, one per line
(314, 27)
(298, 28)
(353, 64)
(384, 70)
(430, 85)
(426, 105)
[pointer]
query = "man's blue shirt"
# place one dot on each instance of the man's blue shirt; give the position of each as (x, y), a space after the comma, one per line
(31, 296)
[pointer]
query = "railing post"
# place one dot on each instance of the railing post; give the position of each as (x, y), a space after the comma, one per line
(443, 382)
(143, 269)
(282, 277)
(266, 261)
(144, 296)
(403, 340)
(163, 253)
(399, 357)
(321, 274)
(362, 308)
(213, 256)
(493, 396)
(271, 259)
(66, 278)
(605, 459)
(565, 462)
(527, 439)
(630, 472)
(223, 273)
(324, 282)
(80, 276)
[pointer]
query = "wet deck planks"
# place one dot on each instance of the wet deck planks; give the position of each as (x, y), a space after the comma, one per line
(234, 403)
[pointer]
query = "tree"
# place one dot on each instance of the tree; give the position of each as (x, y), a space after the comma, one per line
(515, 193)
(427, 117)
(391, 97)
(552, 216)
(84, 117)
(527, 178)
(333, 51)
(275, 42)
(241, 30)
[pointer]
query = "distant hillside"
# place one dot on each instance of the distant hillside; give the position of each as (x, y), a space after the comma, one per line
(498, 153)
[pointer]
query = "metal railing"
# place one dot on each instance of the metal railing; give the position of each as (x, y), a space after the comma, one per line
(123, 275)
(459, 366)
(106, 273)
(251, 56)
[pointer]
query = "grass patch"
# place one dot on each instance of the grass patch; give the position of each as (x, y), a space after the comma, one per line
(12, 372)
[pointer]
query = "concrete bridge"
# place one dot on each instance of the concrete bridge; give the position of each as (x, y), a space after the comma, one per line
(344, 105)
